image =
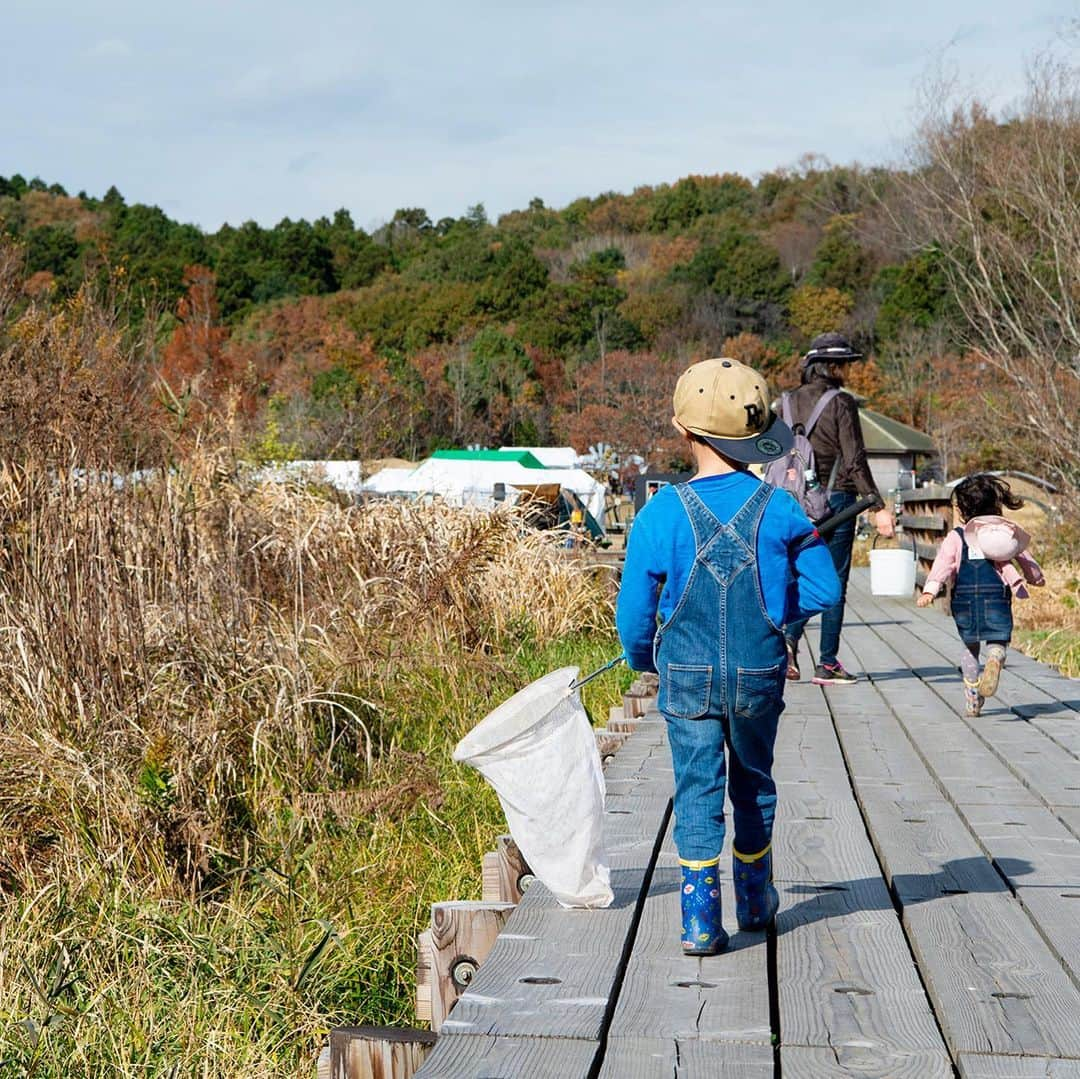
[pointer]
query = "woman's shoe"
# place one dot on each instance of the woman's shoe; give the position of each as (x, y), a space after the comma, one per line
(793, 673)
(702, 926)
(756, 900)
(988, 680)
(973, 699)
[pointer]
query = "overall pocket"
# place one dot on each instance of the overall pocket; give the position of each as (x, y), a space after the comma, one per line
(685, 690)
(962, 606)
(759, 691)
(996, 623)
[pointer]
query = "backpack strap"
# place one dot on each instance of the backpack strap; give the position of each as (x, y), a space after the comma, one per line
(819, 408)
(785, 408)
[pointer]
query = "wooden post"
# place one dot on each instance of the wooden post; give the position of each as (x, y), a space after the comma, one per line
(514, 872)
(490, 889)
(461, 936)
(636, 707)
(424, 949)
(378, 1052)
(504, 869)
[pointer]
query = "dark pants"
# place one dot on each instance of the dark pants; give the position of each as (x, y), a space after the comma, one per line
(839, 543)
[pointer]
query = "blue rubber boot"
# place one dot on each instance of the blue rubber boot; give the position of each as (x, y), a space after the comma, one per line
(756, 900)
(702, 927)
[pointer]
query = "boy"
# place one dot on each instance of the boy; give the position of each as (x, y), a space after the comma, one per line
(726, 559)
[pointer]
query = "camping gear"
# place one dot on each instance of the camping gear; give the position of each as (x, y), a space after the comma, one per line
(892, 570)
(539, 752)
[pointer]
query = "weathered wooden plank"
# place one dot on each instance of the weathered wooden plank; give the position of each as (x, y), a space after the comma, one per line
(650, 1058)
(995, 1067)
(845, 974)
(802, 1062)
(995, 985)
(926, 849)
(1056, 914)
(821, 841)
(667, 994)
(479, 1057)
(845, 977)
(1049, 771)
(1029, 844)
(1070, 817)
(926, 523)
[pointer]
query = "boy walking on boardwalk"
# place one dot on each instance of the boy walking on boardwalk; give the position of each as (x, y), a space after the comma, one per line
(725, 560)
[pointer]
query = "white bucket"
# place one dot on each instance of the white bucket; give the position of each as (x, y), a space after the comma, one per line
(892, 572)
(539, 752)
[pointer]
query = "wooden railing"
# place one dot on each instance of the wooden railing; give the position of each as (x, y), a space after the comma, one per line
(926, 515)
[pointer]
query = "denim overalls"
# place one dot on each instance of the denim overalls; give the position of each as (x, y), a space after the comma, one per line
(981, 601)
(722, 662)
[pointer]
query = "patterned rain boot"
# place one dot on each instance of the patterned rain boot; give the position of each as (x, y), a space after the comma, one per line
(702, 929)
(988, 680)
(756, 900)
(973, 699)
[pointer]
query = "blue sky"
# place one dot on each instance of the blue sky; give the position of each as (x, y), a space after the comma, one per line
(236, 109)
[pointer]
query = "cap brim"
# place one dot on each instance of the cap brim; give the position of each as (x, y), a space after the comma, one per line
(776, 440)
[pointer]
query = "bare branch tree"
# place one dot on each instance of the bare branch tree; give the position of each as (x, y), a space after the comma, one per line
(999, 198)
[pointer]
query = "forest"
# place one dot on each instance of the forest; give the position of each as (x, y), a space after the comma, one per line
(548, 325)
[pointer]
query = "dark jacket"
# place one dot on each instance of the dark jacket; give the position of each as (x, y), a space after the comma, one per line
(836, 434)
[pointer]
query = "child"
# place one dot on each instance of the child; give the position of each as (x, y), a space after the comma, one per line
(726, 559)
(980, 557)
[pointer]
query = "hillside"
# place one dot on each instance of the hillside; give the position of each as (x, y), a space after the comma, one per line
(549, 324)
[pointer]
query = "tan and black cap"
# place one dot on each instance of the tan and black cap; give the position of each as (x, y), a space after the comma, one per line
(727, 404)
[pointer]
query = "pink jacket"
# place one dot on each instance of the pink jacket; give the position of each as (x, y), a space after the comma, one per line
(1004, 539)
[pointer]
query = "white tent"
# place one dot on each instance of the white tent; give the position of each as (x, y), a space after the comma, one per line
(388, 481)
(472, 482)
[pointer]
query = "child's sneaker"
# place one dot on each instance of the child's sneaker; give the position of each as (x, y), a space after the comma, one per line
(973, 699)
(988, 680)
(832, 674)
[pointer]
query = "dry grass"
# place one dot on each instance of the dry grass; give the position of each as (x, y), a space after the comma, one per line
(226, 713)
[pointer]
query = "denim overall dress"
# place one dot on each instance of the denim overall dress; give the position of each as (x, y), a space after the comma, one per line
(722, 662)
(981, 601)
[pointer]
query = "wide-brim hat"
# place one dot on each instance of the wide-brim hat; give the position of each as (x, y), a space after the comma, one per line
(830, 348)
(726, 403)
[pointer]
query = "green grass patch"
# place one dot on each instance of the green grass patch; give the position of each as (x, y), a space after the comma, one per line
(311, 925)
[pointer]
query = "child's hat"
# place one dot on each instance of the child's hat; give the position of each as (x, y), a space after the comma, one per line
(999, 539)
(727, 404)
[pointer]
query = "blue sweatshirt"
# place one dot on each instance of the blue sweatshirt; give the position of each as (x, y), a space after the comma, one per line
(796, 581)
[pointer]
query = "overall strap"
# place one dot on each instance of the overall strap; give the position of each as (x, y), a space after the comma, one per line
(703, 521)
(706, 524)
(745, 521)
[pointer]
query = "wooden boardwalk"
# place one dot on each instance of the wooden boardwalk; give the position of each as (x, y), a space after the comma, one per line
(929, 869)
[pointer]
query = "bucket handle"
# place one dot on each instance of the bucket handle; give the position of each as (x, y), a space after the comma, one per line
(914, 549)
